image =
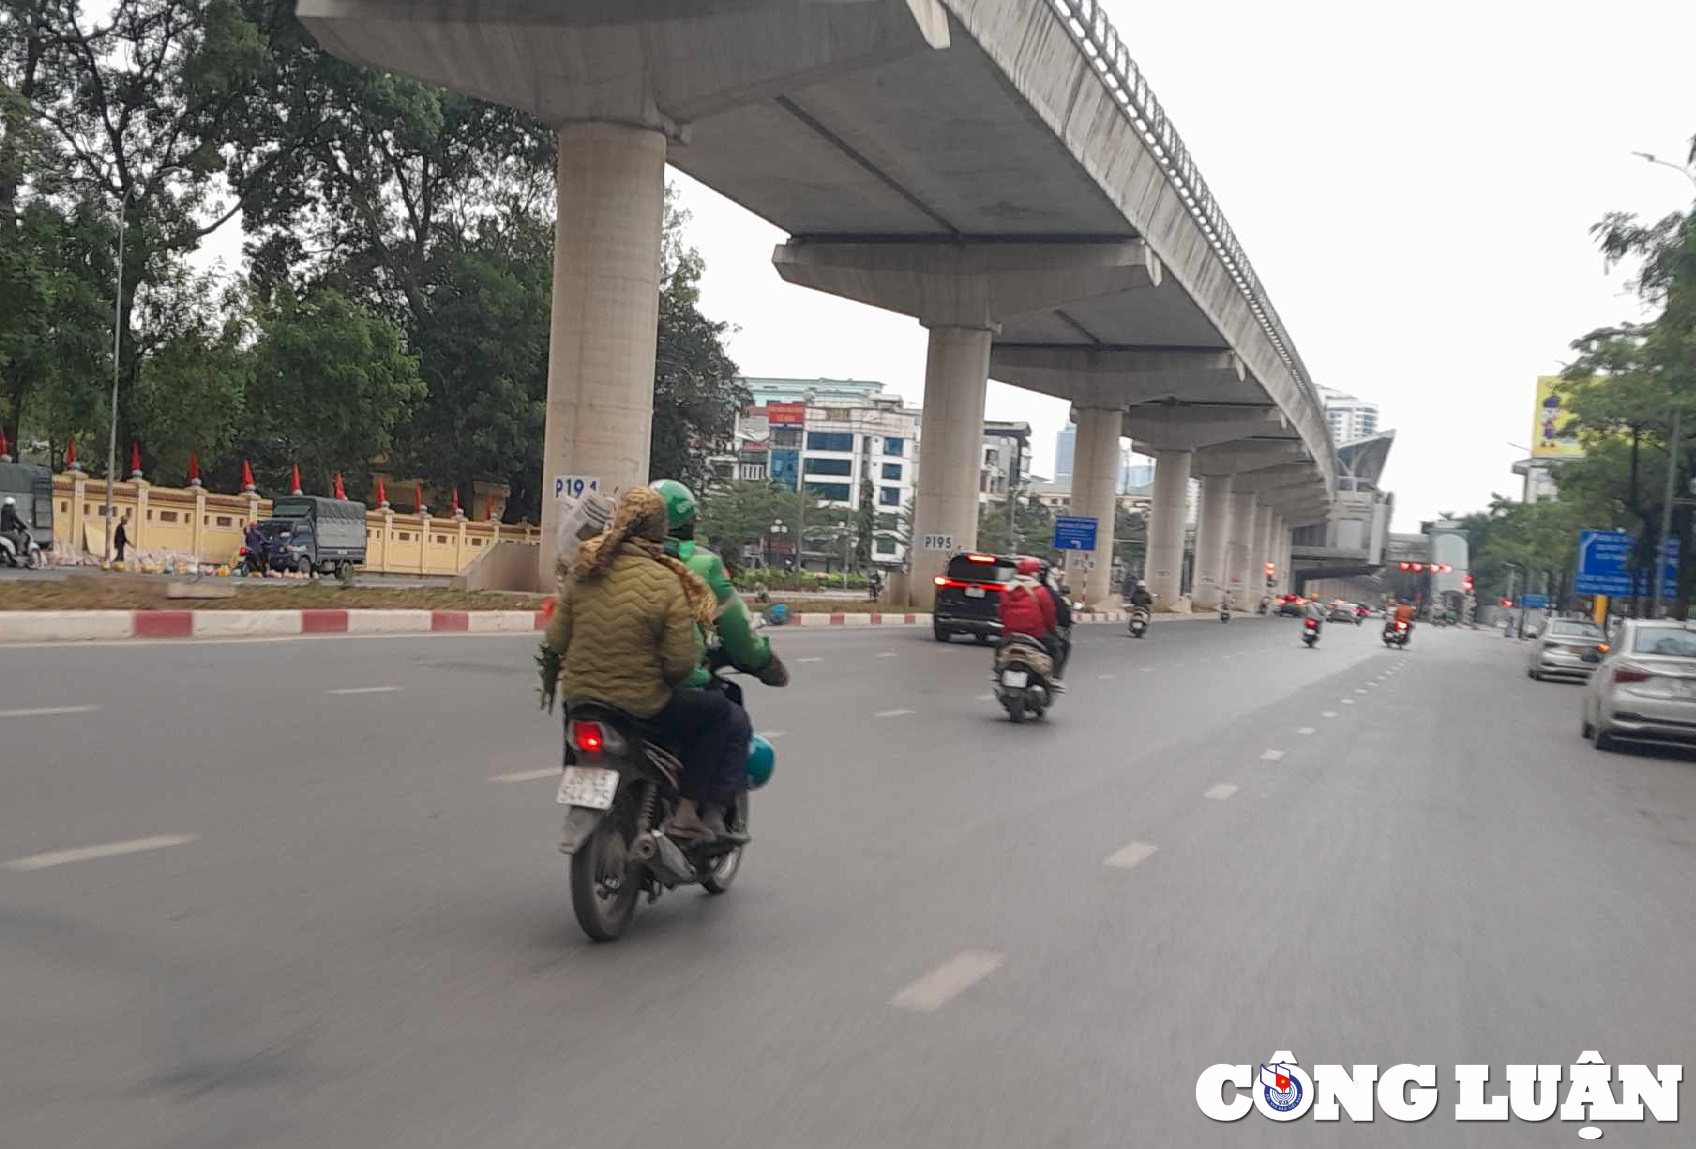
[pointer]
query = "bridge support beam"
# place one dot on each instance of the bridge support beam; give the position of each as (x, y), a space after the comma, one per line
(961, 291)
(600, 406)
(1095, 478)
(1212, 526)
(1240, 546)
(1168, 509)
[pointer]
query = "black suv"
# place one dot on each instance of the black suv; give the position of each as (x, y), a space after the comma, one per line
(968, 596)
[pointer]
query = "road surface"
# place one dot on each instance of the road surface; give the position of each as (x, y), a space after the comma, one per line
(306, 893)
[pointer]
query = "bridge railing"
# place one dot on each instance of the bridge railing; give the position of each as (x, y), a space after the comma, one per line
(1096, 37)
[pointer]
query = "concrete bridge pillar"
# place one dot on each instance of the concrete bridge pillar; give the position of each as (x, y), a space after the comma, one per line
(600, 406)
(1166, 514)
(1212, 525)
(1259, 554)
(1095, 479)
(1239, 546)
(945, 507)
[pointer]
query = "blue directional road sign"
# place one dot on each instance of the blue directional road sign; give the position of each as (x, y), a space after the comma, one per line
(1534, 601)
(1075, 533)
(1603, 561)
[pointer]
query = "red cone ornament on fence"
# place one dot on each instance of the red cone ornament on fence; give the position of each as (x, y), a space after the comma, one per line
(489, 507)
(193, 469)
(5, 453)
(71, 453)
(418, 499)
(341, 491)
(382, 496)
(294, 479)
(247, 483)
(135, 459)
(457, 513)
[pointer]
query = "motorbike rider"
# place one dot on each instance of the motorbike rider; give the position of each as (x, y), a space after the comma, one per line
(738, 642)
(1404, 614)
(12, 524)
(1140, 596)
(627, 627)
(1313, 612)
(1030, 608)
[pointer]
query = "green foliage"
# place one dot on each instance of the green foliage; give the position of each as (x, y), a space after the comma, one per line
(1032, 534)
(738, 517)
(330, 383)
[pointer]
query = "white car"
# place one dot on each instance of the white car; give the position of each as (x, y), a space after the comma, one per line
(1645, 688)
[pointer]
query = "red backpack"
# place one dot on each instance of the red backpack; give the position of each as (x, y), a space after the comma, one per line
(1021, 610)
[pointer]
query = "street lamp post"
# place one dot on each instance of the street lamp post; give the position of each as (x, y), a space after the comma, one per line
(1666, 514)
(1659, 162)
(117, 354)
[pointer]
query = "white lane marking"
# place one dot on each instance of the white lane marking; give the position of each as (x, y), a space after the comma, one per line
(1148, 670)
(1220, 792)
(90, 853)
(947, 981)
(46, 711)
(1360, 690)
(1370, 686)
(1304, 730)
(1327, 714)
(986, 698)
(367, 690)
(891, 713)
(1346, 701)
(815, 658)
(886, 654)
(527, 775)
(768, 735)
(1106, 676)
(1127, 857)
(1271, 755)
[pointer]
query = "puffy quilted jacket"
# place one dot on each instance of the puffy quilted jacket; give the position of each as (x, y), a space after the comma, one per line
(626, 638)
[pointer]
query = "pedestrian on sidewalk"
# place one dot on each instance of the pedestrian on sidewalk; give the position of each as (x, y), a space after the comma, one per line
(121, 537)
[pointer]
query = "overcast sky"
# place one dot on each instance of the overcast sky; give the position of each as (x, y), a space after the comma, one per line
(1413, 183)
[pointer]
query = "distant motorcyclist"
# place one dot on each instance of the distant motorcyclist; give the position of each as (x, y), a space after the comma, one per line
(1141, 596)
(1030, 608)
(1404, 617)
(11, 523)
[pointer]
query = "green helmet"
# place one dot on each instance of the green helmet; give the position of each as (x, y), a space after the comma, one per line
(679, 502)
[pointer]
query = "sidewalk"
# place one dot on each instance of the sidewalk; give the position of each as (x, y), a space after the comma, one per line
(23, 626)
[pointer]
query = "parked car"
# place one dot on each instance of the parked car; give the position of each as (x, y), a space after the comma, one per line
(1341, 611)
(1567, 648)
(1645, 688)
(968, 596)
(315, 535)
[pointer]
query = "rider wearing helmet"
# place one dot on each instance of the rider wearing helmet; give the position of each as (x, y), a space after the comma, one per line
(1030, 608)
(12, 524)
(738, 642)
(1140, 596)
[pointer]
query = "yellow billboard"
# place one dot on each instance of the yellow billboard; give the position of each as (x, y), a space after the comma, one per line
(1552, 433)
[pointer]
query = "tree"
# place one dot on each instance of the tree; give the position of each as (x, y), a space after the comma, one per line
(330, 384)
(865, 525)
(697, 392)
(1034, 524)
(191, 389)
(144, 113)
(735, 517)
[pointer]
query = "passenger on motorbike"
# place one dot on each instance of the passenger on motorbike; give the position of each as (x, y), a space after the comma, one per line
(1029, 608)
(628, 628)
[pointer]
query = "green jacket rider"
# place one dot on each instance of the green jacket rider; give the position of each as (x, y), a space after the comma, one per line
(747, 650)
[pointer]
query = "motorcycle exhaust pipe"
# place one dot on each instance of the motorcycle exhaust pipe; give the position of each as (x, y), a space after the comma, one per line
(665, 861)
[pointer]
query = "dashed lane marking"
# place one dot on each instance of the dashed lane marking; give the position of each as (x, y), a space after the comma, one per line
(1127, 857)
(947, 981)
(886, 654)
(768, 735)
(367, 690)
(1327, 714)
(814, 658)
(90, 853)
(891, 713)
(46, 711)
(527, 775)
(1271, 755)
(1220, 792)
(1304, 730)
(1346, 701)
(1106, 676)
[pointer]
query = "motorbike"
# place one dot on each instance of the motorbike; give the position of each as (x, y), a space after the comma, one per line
(1023, 677)
(1310, 632)
(621, 786)
(1395, 633)
(21, 550)
(1139, 621)
(1224, 610)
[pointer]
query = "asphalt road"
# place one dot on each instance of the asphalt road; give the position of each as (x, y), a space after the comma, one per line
(342, 920)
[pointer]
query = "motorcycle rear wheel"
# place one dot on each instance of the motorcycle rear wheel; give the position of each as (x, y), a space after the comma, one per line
(1016, 708)
(725, 867)
(602, 913)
